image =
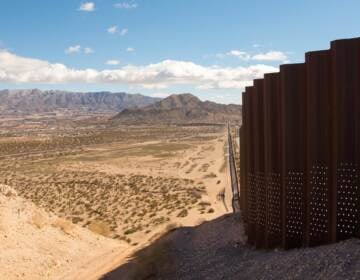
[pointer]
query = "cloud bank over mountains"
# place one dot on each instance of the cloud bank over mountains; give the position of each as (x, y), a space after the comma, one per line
(18, 69)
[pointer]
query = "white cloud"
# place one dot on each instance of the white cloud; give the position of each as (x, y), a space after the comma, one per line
(239, 54)
(88, 50)
(87, 7)
(124, 31)
(73, 49)
(126, 5)
(112, 29)
(270, 56)
(129, 49)
(18, 69)
(112, 62)
(78, 49)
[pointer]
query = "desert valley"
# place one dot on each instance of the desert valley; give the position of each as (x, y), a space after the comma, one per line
(122, 184)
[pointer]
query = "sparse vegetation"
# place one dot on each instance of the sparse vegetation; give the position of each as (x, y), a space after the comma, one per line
(65, 172)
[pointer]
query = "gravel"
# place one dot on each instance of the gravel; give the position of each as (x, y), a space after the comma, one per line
(218, 250)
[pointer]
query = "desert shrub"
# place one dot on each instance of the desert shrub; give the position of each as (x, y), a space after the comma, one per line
(204, 203)
(183, 213)
(131, 230)
(152, 215)
(77, 220)
(210, 175)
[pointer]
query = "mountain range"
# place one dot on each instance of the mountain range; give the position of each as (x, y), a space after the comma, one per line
(35, 101)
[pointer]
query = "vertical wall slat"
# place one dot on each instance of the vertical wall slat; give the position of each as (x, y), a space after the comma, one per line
(259, 146)
(345, 56)
(320, 226)
(293, 92)
(243, 160)
(272, 118)
(251, 190)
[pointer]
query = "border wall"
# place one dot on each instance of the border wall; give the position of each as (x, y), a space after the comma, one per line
(300, 151)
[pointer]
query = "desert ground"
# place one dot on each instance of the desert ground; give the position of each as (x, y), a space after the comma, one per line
(126, 184)
(36, 244)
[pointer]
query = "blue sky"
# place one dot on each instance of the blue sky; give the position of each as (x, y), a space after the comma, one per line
(157, 47)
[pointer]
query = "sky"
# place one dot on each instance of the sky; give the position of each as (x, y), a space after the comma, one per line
(210, 48)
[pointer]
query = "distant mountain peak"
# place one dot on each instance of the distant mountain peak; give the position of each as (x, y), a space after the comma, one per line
(181, 108)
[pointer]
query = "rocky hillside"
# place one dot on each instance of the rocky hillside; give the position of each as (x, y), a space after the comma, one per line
(25, 102)
(182, 108)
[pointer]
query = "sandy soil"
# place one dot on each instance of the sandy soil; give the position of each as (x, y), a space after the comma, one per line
(37, 245)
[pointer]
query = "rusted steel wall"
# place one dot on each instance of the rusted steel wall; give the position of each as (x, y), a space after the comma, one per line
(301, 151)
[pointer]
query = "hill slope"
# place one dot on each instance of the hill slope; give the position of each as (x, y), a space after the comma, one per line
(32, 101)
(182, 108)
(35, 244)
